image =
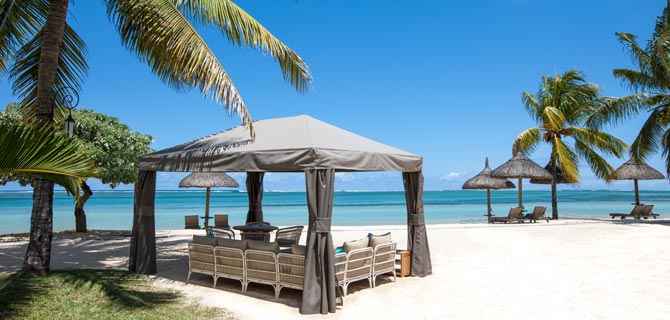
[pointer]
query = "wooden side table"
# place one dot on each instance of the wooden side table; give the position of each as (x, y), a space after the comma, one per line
(404, 263)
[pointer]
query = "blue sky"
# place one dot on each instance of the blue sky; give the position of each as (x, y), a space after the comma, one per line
(441, 79)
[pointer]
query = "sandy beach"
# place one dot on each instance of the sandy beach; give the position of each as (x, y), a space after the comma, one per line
(564, 269)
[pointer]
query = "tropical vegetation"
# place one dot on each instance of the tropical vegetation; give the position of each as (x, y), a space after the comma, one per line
(651, 84)
(44, 152)
(43, 53)
(560, 107)
(113, 147)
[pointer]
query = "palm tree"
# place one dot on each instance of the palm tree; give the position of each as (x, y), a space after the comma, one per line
(651, 84)
(560, 107)
(160, 33)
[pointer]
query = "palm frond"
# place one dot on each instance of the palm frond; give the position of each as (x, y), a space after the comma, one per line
(529, 139)
(600, 167)
(161, 36)
(71, 70)
(44, 152)
(638, 54)
(566, 159)
(647, 140)
(552, 118)
(616, 110)
(636, 80)
(242, 29)
(602, 141)
(19, 21)
(533, 108)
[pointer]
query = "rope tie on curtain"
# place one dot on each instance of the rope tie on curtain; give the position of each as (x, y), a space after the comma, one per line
(416, 219)
(320, 224)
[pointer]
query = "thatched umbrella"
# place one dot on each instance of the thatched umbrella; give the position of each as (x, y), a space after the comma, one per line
(520, 167)
(636, 170)
(208, 180)
(560, 178)
(484, 181)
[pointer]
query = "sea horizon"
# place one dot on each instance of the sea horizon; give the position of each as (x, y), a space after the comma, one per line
(113, 209)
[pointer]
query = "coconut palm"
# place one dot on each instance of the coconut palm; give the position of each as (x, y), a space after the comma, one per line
(651, 84)
(561, 106)
(160, 32)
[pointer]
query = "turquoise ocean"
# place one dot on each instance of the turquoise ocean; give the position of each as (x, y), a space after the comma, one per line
(114, 209)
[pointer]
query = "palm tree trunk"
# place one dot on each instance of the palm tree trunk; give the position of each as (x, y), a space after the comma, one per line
(554, 197)
(38, 255)
(79, 213)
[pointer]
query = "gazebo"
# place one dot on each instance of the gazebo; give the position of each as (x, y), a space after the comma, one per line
(293, 144)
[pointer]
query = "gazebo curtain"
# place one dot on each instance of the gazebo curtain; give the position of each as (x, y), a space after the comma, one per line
(319, 283)
(417, 239)
(143, 240)
(255, 194)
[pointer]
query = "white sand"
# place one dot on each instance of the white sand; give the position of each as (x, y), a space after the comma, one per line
(566, 269)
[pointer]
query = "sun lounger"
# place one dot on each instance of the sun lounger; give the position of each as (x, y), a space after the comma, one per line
(646, 212)
(635, 213)
(513, 215)
(191, 222)
(538, 213)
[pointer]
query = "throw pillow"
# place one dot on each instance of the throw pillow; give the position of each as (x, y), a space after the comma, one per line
(376, 240)
(232, 243)
(263, 246)
(355, 244)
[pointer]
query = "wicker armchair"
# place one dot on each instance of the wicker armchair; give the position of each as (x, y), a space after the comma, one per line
(383, 261)
(291, 271)
(221, 232)
(288, 236)
(261, 267)
(353, 266)
(201, 260)
(255, 235)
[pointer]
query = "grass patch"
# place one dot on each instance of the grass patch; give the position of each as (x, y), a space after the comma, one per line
(95, 294)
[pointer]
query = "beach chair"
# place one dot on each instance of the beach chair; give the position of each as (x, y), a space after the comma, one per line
(221, 221)
(288, 236)
(191, 222)
(646, 212)
(221, 232)
(635, 213)
(513, 215)
(538, 213)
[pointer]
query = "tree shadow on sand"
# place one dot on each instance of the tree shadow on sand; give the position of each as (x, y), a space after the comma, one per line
(123, 289)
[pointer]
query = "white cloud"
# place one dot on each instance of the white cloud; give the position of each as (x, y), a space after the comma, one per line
(451, 176)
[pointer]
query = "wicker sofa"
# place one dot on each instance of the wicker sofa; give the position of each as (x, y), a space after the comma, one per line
(365, 259)
(246, 261)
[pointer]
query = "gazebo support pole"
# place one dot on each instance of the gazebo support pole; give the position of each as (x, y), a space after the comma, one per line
(520, 193)
(417, 238)
(207, 209)
(637, 193)
(142, 257)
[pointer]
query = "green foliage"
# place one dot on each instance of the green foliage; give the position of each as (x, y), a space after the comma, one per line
(113, 146)
(46, 152)
(651, 86)
(561, 106)
(95, 294)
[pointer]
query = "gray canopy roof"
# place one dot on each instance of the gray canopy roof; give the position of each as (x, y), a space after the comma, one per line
(283, 145)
